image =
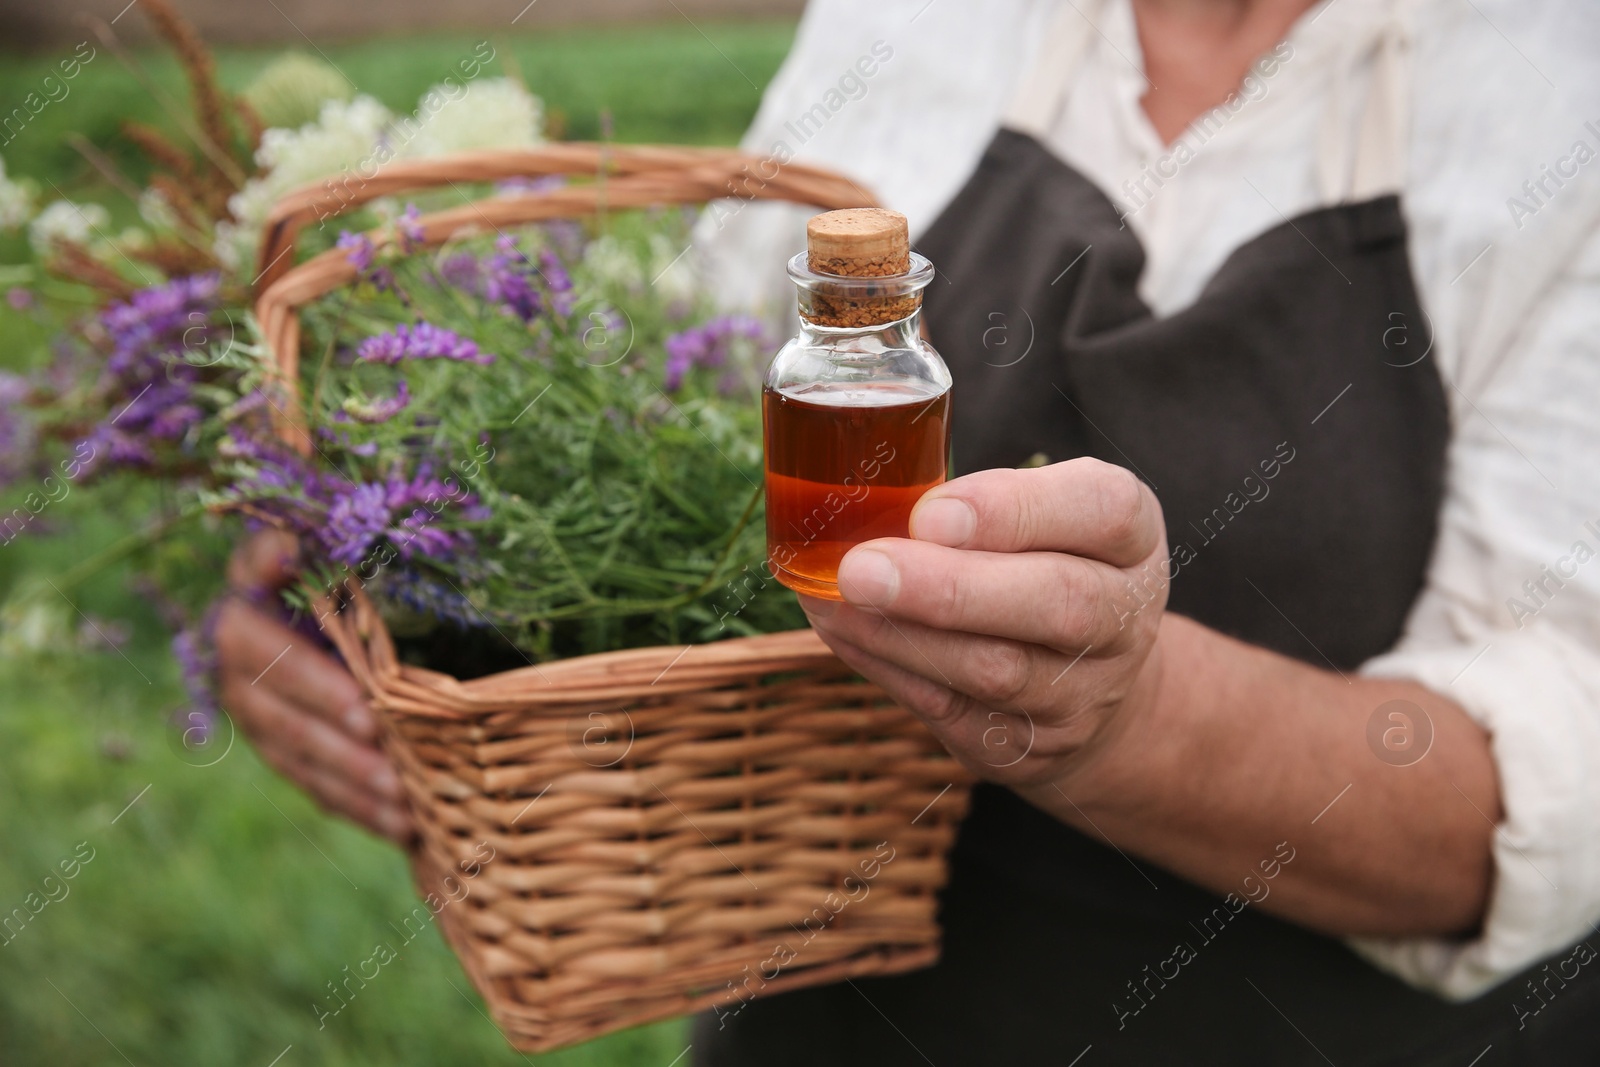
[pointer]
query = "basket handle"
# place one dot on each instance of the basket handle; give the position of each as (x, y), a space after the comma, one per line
(628, 176)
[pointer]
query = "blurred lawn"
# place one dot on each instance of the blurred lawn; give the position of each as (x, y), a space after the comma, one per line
(218, 907)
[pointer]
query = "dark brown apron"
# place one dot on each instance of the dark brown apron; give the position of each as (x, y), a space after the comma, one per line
(1281, 364)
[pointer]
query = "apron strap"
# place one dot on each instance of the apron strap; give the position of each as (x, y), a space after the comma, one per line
(1038, 100)
(1375, 164)
(1349, 168)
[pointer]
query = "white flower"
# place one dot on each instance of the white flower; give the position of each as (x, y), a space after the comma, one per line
(63, 220)
(291, 90)
(233, 243)
(156, 209)
(673, 267)
(344, 139)
(16, 202)
(610, 260)
(487, 113)
(33, 627)
(351, 139)
(343, 135)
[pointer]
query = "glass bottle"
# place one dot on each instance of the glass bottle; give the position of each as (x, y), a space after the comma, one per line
(856, 407)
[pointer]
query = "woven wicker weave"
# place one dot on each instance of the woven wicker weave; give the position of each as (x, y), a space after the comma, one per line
(618, 838)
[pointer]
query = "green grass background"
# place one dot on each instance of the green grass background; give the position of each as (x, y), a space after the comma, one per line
(220, 904)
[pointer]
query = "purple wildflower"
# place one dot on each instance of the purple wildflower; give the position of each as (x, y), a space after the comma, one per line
(463, 271)
(422, 341)
(253, 401)
(19, 298)
(359, 250)
(108, 444)
(566, 237)
(149, 383)
(153, 321)
(162, 409)
(411, 235)
(708, 345)
(429, 596)
(558, 281)
(355, 522)
(400, 510)
(16, 431)
(343, 521)
(277, 478)
(342, 439)
(378, 409)
(195, 652)
(507, 283)
(678, 363)
(363, 255)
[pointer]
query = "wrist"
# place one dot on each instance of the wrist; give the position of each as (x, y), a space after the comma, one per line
(1141, 741)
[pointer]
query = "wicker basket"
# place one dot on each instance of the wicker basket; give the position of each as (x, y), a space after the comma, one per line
(618, 838)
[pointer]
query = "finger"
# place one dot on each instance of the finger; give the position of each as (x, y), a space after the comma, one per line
(339, 796)
(1081, 506)
(270, 720)
(1007, 675)
(984, 739)
(268, 559)
(257, 651)
(1049, 598)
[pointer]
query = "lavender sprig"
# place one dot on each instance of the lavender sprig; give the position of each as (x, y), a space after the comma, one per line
(422, 341)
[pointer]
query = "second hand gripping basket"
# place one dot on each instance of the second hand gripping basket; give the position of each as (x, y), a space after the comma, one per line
(618, 838)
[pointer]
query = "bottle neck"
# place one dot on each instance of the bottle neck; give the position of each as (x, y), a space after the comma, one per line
(898, 334)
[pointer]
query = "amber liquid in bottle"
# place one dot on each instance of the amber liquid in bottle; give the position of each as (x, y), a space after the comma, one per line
(846, 464)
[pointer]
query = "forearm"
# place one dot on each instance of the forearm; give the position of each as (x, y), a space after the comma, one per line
(1237, 749)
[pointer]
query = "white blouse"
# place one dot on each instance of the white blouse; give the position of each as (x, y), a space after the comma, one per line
(1502, 194)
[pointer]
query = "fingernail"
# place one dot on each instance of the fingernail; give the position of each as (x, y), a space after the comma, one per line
(868, 577)
(816, 607)
(358, 721)
(944, 520)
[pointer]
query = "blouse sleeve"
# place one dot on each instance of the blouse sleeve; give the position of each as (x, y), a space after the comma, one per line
(1508, 626)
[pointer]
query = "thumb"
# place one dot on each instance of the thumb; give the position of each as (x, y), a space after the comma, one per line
(267, 561)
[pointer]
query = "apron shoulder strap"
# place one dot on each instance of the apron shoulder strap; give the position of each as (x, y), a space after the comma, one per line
(1371, 160)
(1351, 166)
(1037, 102)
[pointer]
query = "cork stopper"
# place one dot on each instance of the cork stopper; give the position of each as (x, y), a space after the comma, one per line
(864, 242)
(858, 242)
